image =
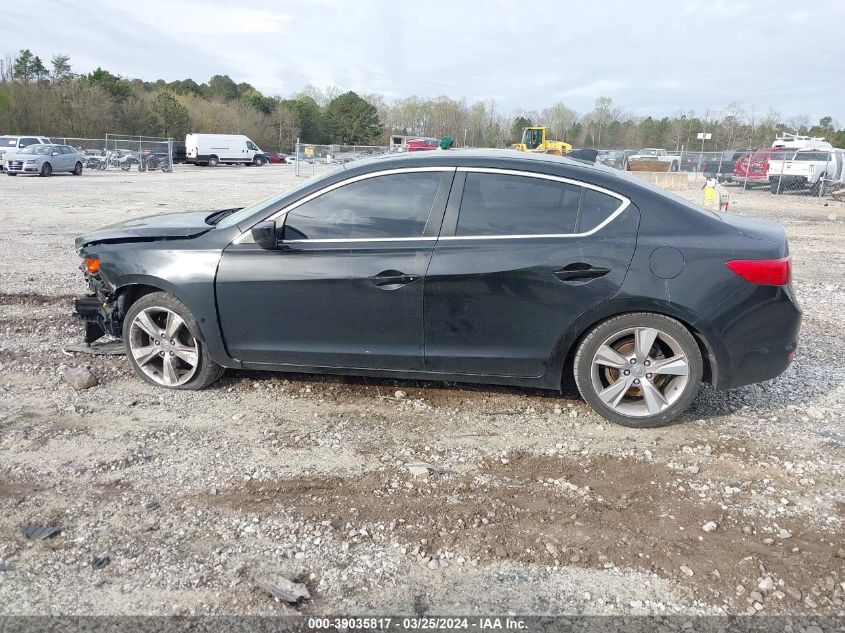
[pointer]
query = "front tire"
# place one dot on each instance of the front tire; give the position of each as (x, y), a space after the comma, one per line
(163, 345)
(213, 161)
(77, 170)
(639, 369)
(46, 170)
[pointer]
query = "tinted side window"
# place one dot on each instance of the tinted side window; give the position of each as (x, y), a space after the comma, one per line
(822, 156)
(596, 207)
(396, 205)
(500, 204)
(26, 142)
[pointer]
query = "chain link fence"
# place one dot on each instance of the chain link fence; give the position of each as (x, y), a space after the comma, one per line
(309, 158)
(800, 171)
(807, 170)
(122, 152)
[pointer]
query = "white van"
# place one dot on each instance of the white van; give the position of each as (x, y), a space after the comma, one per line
(213, 149)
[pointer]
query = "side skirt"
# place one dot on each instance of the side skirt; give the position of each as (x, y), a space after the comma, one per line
(542, 382)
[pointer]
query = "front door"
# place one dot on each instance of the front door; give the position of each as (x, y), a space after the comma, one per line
(518, 260)
(345, 287)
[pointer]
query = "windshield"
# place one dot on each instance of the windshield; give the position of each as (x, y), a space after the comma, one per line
(243, 214)
(532, 138)
(36, 149)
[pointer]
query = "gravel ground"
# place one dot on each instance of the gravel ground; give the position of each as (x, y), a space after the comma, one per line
(173, 502)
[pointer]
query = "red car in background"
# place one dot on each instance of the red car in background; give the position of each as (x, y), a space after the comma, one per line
(422, 145)
(753, 167)
(276, 158)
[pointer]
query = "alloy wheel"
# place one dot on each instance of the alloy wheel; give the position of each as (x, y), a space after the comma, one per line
(163, 347)
(640, 371)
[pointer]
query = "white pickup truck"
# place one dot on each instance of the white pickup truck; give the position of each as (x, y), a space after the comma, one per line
(654, 155)
(819, 170)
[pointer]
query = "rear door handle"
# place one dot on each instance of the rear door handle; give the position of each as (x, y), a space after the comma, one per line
(580, 273)
(392, 279)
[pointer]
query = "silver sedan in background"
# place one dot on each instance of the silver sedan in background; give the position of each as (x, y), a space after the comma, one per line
(45, 160)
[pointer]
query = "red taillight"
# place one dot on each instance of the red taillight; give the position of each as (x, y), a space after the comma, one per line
(764, 272)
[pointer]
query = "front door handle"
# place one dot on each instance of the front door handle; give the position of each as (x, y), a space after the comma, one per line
(580, 273)
(392, 279)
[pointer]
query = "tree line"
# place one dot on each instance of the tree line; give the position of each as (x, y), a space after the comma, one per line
(39, 98)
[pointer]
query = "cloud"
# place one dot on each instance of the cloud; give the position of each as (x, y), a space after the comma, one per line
(600, 87)
(659, 56)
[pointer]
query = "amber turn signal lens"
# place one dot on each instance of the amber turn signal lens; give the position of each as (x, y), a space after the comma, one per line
(92, 265)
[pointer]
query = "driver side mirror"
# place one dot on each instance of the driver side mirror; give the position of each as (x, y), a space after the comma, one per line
(265, 235)
(55, 152)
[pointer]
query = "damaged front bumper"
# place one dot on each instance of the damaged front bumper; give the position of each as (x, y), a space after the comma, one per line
(101, 317)
(102, 309)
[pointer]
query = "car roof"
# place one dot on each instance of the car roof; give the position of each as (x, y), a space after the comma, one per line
(562, 166)
(468, 157)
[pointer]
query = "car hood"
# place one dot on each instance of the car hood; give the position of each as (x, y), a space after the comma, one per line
(169, 226)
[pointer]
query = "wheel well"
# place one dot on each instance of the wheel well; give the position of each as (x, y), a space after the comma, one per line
(128, 295)
(707, 356)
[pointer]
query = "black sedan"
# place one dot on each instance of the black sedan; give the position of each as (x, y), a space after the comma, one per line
(475, 266)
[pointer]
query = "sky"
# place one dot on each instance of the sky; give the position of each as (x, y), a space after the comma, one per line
(654, 57)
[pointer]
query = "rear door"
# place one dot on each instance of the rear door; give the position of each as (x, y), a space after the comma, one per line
(520, 256)
(345, 288)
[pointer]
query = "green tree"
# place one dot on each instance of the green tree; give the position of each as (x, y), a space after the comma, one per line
(519, 124)
(173, 117)
(221, 88)
(119, 89)
(38, 69)
(824, 129)
(308, 118)
(185, 86)
(23, 66)
(61, 68)
(353, 121)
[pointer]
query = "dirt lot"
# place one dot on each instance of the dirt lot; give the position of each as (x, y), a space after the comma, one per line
(533, 503)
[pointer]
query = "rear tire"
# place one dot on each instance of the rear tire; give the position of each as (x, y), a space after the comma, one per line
(213, 161)
(77, 170)
(773, 186)
(673, 167)
(663, 364)
(46, 170)
(184, 362)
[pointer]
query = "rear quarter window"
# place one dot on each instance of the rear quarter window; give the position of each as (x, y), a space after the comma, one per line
(596, 207)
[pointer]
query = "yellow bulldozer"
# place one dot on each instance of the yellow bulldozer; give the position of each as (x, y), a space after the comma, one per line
(534, 140)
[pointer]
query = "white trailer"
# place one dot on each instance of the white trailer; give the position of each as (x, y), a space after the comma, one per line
(214, 149)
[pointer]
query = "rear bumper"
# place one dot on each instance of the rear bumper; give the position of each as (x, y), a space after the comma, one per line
(761, 343)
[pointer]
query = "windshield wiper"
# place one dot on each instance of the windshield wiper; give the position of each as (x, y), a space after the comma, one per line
(215, 217)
